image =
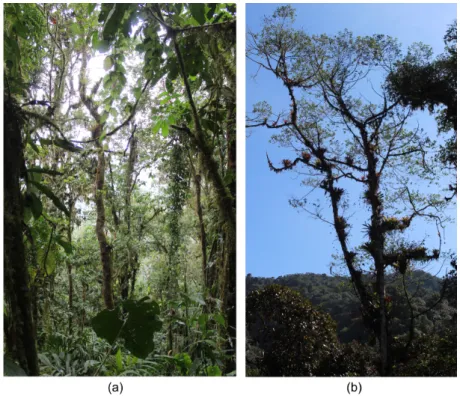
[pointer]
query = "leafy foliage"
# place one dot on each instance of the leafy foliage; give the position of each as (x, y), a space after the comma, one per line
(421, 83)
(296, 338)
(103, 108)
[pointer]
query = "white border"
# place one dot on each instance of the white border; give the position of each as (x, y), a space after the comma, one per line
(199, 386)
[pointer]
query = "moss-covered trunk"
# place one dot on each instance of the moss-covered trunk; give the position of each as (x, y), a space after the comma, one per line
(202, 230)
(21, 333)
(104, 247)
(128, 266)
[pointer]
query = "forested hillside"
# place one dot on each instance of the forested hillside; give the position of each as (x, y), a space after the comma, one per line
(312, 325)
(335, 295)
(120, 175)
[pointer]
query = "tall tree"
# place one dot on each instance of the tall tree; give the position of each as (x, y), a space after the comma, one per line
(198, 135)
(342, 143)
(23, 29)
(19, 326)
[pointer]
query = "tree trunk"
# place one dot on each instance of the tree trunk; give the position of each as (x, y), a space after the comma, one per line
(21, 340)
(69, 267)
(69, 276)
(212, 271)
(104, 247)
(226, 203)
(134, 273)
(199, 211)
(383, 334)
(84, 288)
(99, 187)
(377, 242)
(129, 181)
(186, 307)
(128, 265)
(116, 219)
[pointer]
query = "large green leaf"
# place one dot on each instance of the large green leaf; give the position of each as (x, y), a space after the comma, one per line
(32, 144)
(91, 7)
(11, 369)
(114, 20)
(107, 324)
(212, 9)
(47, 191)
(137, 327)
(64, 243)
(213, 371)
(108, 63)
(198, 12)
(47, 258)
(101, 45)
(142, 322)
(103, 119)
(119, 360)
(34, 203)
(94, 38)
(219, 319)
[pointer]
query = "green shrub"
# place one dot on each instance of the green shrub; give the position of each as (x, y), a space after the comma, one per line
(296, 338)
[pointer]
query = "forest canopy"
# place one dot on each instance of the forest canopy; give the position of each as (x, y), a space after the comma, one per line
(119, 195)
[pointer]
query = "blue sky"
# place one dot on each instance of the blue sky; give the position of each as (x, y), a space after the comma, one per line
(279, 239)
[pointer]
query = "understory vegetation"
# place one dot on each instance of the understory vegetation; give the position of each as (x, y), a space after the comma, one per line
(120, 189)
